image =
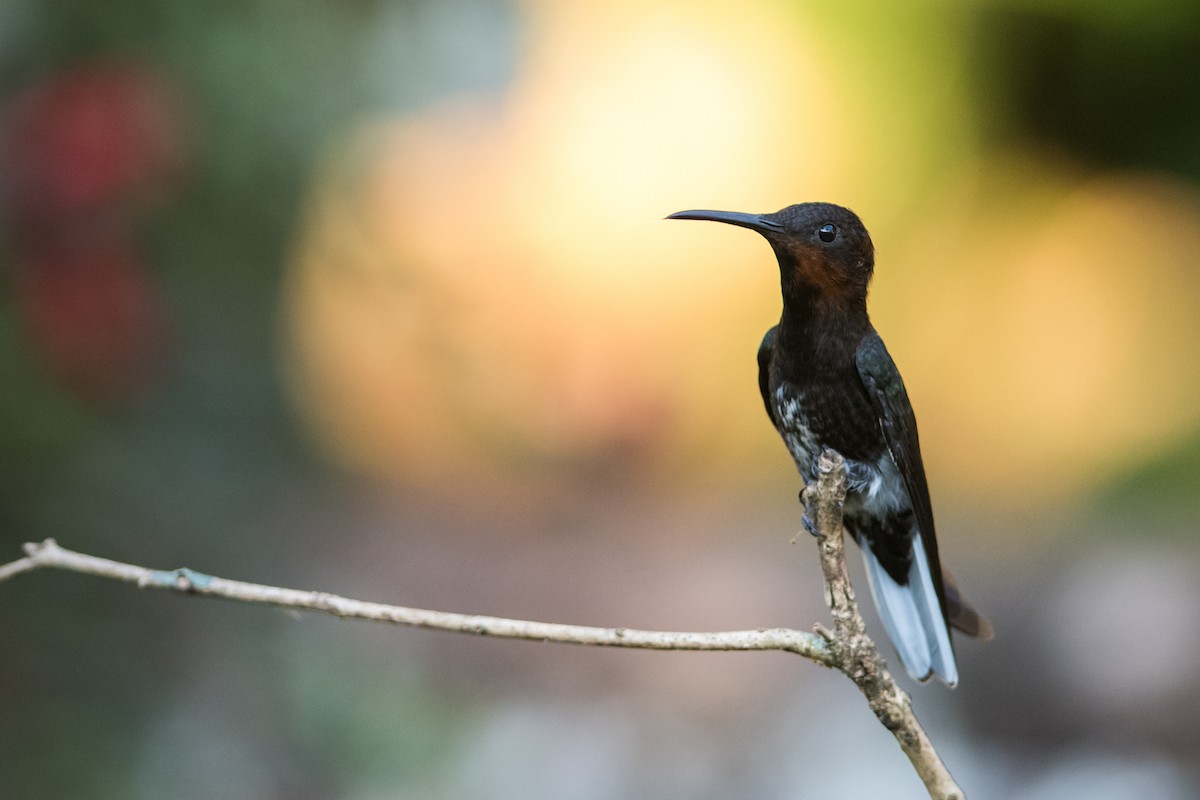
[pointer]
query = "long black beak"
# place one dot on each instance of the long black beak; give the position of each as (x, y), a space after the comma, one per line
(763, 223)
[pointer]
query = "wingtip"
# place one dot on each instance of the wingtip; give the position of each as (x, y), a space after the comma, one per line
(963, 616)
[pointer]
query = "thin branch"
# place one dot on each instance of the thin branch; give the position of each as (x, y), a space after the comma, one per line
(847, 648)
(17, 567)
(49, 555)
(854, 652)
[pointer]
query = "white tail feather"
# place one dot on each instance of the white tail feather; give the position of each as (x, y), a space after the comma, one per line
(913, 617)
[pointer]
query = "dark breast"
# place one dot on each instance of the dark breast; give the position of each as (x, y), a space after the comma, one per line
(830, 413)
(839, 415)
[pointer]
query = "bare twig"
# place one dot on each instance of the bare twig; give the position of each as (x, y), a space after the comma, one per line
(48, 555)
(853, 650)
(847, 648)
(17, 567)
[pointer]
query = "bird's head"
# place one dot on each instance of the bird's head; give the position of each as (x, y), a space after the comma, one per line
(820, 246)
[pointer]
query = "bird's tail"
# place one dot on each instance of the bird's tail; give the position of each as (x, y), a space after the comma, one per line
(913, 618)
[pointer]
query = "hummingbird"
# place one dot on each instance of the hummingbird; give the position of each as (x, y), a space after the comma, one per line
(828, 381)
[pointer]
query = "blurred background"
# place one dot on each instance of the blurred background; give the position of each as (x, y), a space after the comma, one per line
(376, 298)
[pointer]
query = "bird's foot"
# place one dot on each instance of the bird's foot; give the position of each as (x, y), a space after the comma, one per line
(809, 524)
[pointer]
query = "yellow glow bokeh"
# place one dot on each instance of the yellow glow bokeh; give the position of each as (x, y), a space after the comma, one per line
(488, 287)
(1049, 346)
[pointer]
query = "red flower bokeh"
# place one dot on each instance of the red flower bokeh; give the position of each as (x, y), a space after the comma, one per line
(87, 150)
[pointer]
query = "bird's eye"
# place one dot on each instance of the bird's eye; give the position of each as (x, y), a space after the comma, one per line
(827, 232)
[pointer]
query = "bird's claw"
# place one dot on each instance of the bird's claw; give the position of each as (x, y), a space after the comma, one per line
(806, 520)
